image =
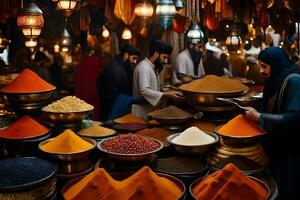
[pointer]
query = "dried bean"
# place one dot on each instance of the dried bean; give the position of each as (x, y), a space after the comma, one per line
(130, 144)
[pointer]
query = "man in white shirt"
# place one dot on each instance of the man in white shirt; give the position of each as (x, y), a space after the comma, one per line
(189, 62)
(146, 82)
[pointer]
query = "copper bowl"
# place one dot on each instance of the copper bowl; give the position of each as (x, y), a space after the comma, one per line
(123, 175)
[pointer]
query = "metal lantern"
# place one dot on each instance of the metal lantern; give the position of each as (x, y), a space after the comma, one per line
(67, 6)
(65, 41)
(179, 5)
(31, 20)
(143, 9)
(165, 12)
(126, 35)
(195, 34)
(4, 42)
(233, 40)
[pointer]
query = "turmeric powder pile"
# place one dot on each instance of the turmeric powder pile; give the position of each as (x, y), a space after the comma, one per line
(67, 142)
(129, 118)
(229, 183)
(214, 84)
(240, 126)
(144, 184)
(96, 131)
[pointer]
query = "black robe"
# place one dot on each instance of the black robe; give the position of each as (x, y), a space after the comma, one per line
(116, 79)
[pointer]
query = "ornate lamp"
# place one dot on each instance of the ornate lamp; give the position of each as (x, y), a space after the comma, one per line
(4, 42)
(31, 20)
(195, 34)
(144, 9)
(179, 5)
(233, 40)
(165, 12)
(66, 6)
(31, 44)
(65, 41)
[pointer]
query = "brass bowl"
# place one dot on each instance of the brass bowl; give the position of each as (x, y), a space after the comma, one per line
(129, 157)
(193, 149)
(196, 182)
(81, 155)
(123, 175)
(238, 141)
(66, 117)
(28, 103)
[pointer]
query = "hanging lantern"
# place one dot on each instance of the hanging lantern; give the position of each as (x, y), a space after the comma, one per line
(105, 32)
(233, 40)
(143, 9)
(4, 42)
(165, 12)
(126, 35)
(56, 48)
(65, 41)
(31, 44)
(66, 6)
(195, 34)
(179, 5)
(31, 20)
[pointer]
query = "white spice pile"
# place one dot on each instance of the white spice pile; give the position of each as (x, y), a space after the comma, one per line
(193, 136)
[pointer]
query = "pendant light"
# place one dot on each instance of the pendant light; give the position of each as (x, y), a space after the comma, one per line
(66, 6)
(165, 12)
(105, 32)
(31, 44)
(65, 41)
(30, 20)
(233, 40)
(195, 34)
(126, 35)
(179, 4)
(144, 9)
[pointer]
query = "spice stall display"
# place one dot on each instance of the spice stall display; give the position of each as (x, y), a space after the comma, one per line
(27, 178)
(27, 93)
(229, 183)
(21, 138)
(70, 152)
(144, 184)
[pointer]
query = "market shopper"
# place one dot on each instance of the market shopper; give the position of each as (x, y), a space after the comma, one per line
(281, 119)
(189, 61)
(146, 79)
(114, 84)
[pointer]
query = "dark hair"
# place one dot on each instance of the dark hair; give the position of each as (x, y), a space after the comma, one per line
(160, 47)
(131, 50)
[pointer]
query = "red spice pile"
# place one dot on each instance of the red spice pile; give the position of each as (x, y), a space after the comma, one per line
(23, 128)
(27, 82)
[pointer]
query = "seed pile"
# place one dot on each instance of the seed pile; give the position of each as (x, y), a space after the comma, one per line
(20, 171)
(170, 112)
(130, 144)
(68, 104)
(214, 84)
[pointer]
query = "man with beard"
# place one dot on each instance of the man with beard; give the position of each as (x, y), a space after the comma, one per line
(189, 62)
(280, 118)
(146, 80)
(114, 84)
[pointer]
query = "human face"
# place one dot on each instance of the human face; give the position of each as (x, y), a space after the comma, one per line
(265, 69)
(133, 59)
(163, 58)
(198, 47)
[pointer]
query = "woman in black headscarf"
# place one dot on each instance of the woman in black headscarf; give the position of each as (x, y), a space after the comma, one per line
(280, 118)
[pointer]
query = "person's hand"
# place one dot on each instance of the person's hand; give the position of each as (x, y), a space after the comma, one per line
(252, 114)
(174, 95)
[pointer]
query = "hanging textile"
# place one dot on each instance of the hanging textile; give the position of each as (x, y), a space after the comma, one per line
(124, 10)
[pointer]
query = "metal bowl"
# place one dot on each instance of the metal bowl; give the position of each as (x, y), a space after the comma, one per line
(66, 117)
(195, 149)
(123, 175)
(196, 182)
(129, 157)
(82, 155)
(238, 141)
(28, 103)
(209, 99)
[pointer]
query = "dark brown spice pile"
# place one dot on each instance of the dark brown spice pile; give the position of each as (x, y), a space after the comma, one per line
(170, 112)
(243, 163)
(156, 133)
